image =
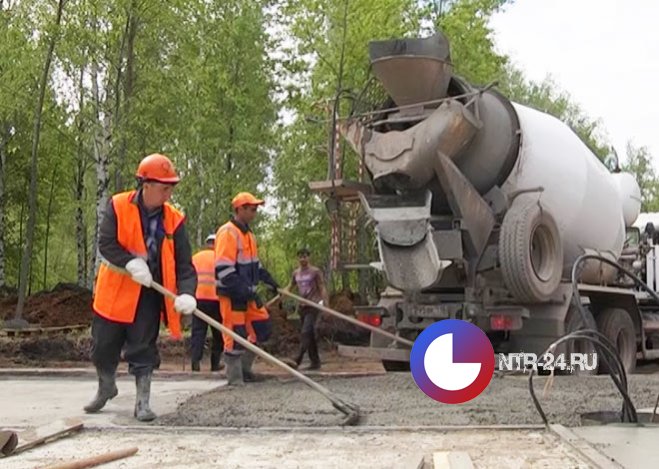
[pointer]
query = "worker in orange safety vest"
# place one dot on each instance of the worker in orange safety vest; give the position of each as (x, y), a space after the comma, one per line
(142, 239)
(238, 271)
(207, 302)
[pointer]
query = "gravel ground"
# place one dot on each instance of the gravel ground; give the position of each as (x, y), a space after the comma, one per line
(394, 399)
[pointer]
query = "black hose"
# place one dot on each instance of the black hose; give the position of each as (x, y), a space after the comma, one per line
(576, 298)
(605, 348)
(628, 413)
(626, 271)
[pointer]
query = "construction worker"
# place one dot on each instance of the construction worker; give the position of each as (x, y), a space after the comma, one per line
(207, 302)
(238, 271)
(143, 234)
(309, 282)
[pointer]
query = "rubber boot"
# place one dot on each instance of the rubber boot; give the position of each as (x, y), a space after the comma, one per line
(143, 412)
(107, 389)
(247, 361)
(215, 361)
(195, 366)
(234, 370)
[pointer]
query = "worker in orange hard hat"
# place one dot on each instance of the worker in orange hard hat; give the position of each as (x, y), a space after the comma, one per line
(142, 239)
(238, 271)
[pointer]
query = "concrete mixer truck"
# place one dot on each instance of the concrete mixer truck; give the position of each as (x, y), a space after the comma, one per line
(482, 205)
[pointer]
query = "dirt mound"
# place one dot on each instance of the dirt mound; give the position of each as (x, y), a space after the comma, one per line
(65, 305)
(286, 331)
(74, 347)
(336, 330)
(42, 350)
(285, 338)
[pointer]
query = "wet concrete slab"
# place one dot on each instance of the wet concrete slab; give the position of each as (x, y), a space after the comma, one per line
(395, 399)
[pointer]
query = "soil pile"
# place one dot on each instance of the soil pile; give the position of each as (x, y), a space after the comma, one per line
(65, 305)
(336, 330)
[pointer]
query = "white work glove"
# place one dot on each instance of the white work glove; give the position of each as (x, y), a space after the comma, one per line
(185, 304)
(140, 272)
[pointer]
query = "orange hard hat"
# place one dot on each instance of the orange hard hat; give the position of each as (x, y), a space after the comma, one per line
(245, 198)
(157, 167)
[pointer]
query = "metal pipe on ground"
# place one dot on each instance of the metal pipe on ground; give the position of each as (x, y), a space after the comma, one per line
(343, 317)
(350, 410)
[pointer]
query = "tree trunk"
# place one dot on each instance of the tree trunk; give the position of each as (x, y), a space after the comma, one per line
(48, 213)
(79, 186)
(117, 101)
(20, 224)
(4, 137)
(32, 202)
(102, 159)
(129, 35)
(200, 218)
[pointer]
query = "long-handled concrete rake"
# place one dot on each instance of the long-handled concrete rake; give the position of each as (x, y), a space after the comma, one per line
(343, 317)
(351, 411)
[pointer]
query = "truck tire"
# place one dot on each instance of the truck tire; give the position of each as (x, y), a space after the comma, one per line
(530, 252)
(390, 365)
(618, 327)
(574, 322)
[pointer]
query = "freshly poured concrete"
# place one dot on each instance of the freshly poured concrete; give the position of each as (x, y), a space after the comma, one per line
(386, 402)
(395, 399)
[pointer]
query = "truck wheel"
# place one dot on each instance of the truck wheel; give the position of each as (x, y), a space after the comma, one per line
(390, 365)
(618, 327)
(530, 252)
(574, 322)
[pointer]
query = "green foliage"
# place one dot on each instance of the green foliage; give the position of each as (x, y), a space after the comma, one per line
(465, 24)
(639, 163)
(239, 93)
(190, 79)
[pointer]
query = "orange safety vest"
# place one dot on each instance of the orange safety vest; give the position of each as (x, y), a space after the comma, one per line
(204, 264)
(116, 294)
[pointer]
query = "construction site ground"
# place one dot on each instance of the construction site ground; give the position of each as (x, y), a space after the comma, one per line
(280, 422)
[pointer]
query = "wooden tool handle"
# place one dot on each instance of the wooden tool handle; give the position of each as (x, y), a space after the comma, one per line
(343, 317)
(96, 460)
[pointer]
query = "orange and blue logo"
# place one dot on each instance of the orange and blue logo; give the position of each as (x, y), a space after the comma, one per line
(452, 361)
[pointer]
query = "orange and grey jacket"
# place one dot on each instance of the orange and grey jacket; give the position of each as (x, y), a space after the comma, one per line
(237, 266)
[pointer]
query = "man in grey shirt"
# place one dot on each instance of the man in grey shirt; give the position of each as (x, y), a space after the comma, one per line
(309, 282)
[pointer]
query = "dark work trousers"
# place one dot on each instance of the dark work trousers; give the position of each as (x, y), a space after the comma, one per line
(308, 343)
(138, 339)
(199, 329)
